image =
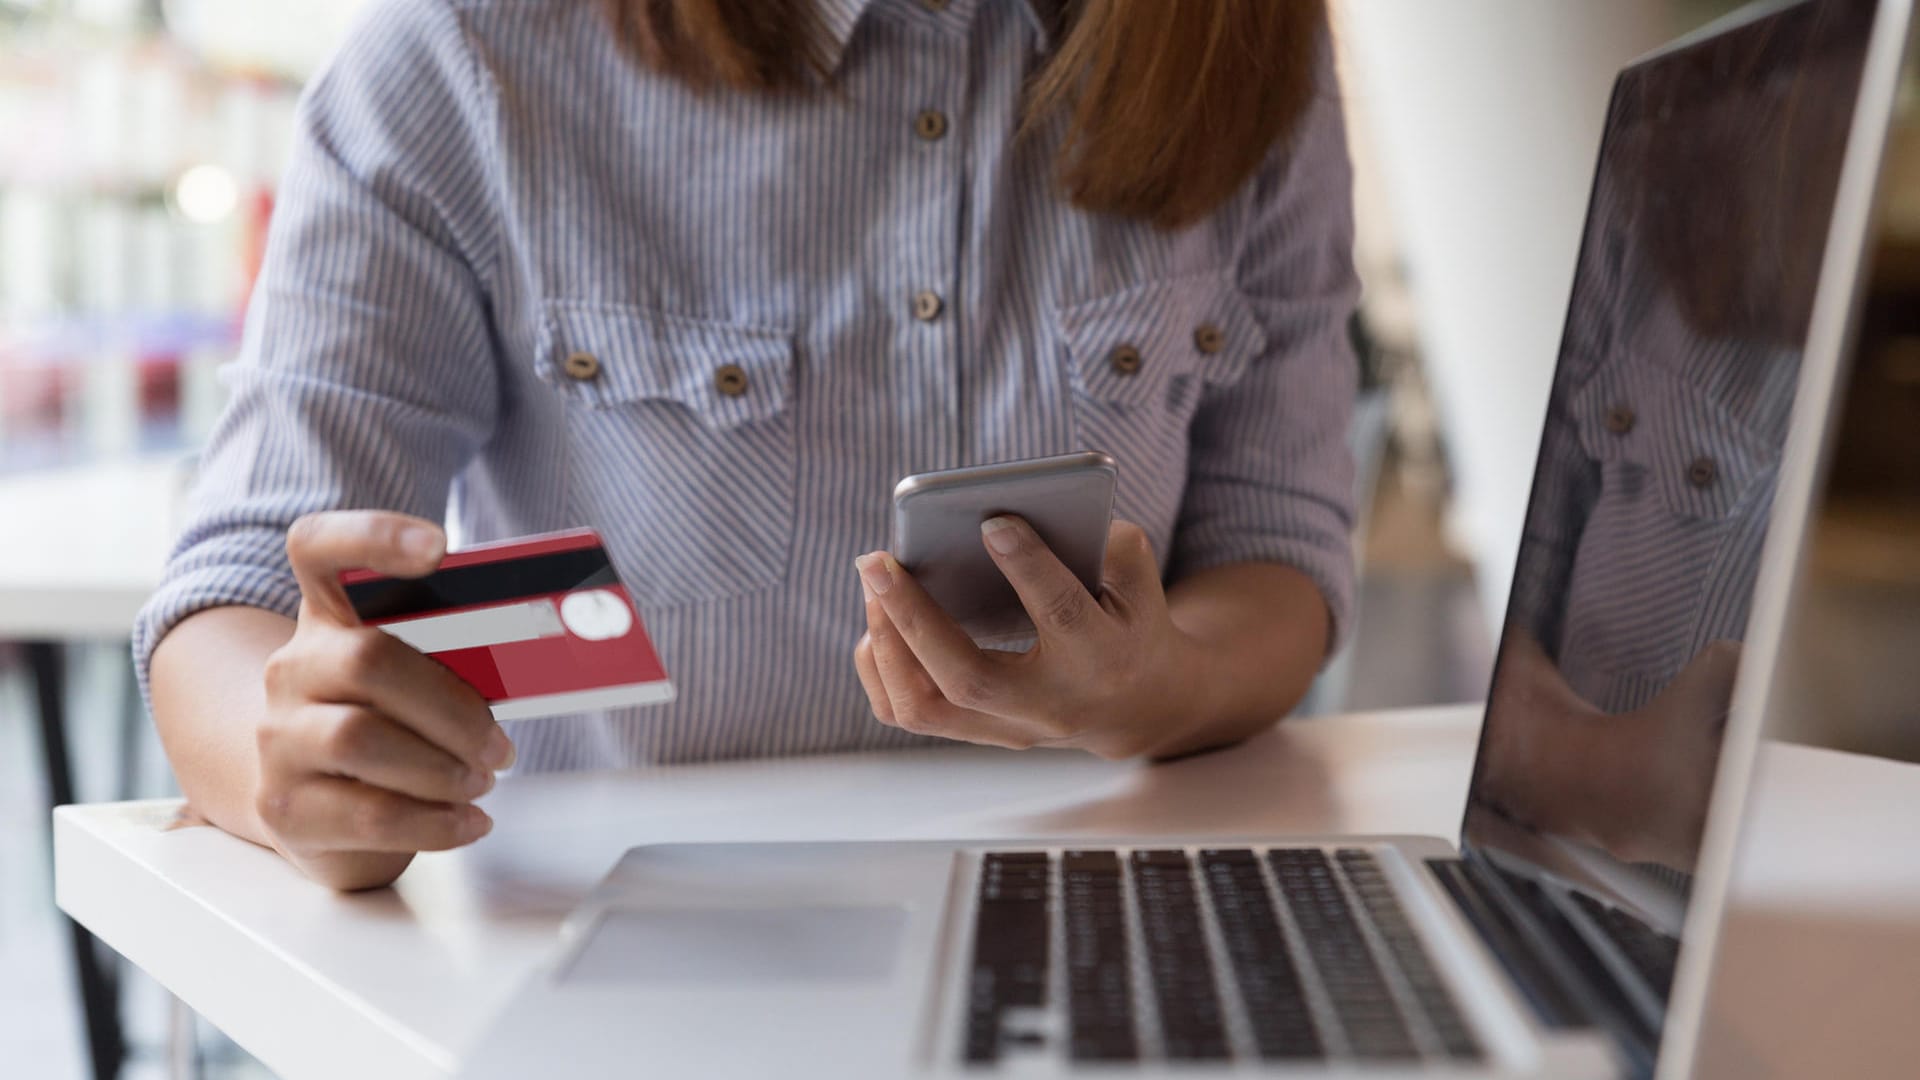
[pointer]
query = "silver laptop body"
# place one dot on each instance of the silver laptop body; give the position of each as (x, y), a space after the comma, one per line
(1709, 309)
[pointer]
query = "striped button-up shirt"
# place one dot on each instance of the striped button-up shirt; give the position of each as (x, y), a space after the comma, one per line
(790, 302)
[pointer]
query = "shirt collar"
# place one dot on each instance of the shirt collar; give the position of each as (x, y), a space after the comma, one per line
(838, 18)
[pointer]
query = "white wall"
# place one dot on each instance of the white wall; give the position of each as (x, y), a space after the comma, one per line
(1484, 117)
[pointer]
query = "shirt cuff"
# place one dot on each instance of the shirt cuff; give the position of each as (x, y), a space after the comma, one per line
(188, 591)
(1329, 566)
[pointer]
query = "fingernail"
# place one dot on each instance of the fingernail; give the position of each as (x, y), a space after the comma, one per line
(500, 752)
(474, 824)
(420, 542)
(1002, 533)
(874, 573)
(478, 783)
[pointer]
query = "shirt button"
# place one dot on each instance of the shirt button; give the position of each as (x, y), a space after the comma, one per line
(927, 305)
(1125, 359)
(1208, 339)
(1702, 472)
(731, 380)
(930, 125)
(583, 366)
(1620, 419)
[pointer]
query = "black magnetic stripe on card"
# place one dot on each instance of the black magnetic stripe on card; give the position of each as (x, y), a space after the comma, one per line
(482, 583)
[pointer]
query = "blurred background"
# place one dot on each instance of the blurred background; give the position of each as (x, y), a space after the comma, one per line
(143, 140)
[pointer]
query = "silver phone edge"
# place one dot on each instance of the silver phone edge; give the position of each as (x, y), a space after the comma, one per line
(949, 479)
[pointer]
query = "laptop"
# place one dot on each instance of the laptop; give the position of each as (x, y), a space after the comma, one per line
(1830, 663)
(1709, 304)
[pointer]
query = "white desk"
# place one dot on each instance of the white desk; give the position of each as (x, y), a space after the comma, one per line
(81, 548)
(398, 983)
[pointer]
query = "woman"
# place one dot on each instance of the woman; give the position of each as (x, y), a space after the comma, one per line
(710, 276)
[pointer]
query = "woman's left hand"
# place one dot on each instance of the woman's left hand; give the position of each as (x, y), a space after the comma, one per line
(1110, 674)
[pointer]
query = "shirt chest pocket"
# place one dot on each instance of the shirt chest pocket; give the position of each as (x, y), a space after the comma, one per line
(681, 445)
(1139, 362)
(1665, 441)
(1667, 552)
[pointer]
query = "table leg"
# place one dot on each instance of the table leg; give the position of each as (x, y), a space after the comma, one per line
(133, 732)
(183, 1041)
(99, 988)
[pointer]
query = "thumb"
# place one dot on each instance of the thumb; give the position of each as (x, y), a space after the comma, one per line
(1131, 573)
(320, 546)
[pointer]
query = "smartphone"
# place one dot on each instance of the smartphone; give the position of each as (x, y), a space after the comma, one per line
(936, 532)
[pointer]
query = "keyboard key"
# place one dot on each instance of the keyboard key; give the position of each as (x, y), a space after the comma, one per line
(1653, 954)
(1099, 976)
(1192, 1028)
(1361, 998)
(1011, 946)
(1403, 942)
(1257, 948)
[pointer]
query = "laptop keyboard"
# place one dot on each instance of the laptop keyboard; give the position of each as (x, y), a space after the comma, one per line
(1652, 953)
(1282, 955)
(1257, 950)
(1099, 980)
(1403, 943)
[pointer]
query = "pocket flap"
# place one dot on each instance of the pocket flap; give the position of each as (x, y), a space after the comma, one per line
(1127, 346)
(1701, 459)
(607, 355)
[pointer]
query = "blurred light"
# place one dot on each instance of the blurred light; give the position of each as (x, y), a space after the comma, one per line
(206, 194)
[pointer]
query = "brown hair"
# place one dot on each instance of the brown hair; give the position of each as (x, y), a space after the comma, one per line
(1744, 257)
(1169, 107)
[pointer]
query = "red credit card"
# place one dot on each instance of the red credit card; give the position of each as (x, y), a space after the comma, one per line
(541, 626)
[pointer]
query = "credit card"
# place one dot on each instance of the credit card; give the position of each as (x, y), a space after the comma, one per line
(540, 625)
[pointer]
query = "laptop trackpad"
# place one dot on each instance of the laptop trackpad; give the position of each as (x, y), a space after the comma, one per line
(717, 947)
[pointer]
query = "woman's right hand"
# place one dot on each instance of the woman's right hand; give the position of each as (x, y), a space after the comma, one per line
(370, 751)
(1636, 783)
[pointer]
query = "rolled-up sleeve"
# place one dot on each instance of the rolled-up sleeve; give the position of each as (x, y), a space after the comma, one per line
(1270, 473)
(367, 372)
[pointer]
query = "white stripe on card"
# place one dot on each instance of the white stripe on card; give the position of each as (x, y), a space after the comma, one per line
(576, 701)
(479, 627)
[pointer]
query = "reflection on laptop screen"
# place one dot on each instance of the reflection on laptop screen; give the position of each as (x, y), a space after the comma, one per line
(1667, 418)
(1845, 676)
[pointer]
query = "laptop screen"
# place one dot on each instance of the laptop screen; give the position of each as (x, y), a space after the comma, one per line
(1842, 1000)
(1662, 445)
(1845, 676)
